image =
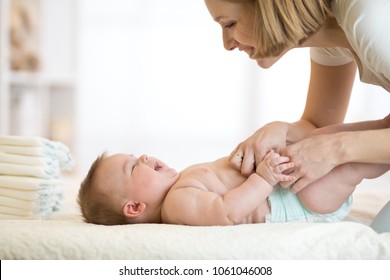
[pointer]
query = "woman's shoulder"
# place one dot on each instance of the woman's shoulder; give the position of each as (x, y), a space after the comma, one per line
(365, 25)
(331, 56)
(361, 16)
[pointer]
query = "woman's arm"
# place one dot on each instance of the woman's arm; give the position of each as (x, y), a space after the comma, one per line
(327, 100)
(329, 93)
(371, 146)
(366, 142)
(326, 104)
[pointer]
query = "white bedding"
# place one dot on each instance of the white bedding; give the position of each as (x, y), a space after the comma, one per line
(65, 236)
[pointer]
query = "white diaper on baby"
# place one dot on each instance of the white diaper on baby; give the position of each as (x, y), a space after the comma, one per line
(286, 207)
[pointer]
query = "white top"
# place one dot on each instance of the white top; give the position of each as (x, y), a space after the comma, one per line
(366, 24)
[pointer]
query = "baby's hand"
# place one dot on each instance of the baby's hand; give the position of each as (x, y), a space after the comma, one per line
(272, 168)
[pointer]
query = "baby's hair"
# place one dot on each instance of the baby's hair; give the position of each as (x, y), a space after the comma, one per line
(96, 205)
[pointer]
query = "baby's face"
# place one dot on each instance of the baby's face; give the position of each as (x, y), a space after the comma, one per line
(144, 179)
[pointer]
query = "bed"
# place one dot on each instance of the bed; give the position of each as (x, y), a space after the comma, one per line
(66, 236)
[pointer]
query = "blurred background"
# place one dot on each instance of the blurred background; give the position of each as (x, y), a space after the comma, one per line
(143, 77)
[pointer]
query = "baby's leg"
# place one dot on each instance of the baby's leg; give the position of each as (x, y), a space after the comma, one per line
(327, 194)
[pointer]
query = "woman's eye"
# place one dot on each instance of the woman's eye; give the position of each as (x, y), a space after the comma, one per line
(230, 25)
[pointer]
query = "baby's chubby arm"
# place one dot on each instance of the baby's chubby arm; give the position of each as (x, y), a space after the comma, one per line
(200, 207)
(272, 168)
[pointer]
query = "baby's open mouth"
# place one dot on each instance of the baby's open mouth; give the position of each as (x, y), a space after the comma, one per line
(157, 166)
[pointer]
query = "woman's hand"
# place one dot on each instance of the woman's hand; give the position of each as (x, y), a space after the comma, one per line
(313, 158)
(251, 152)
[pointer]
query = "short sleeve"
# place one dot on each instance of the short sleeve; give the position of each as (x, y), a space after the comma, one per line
(365, 25)
(331, 56)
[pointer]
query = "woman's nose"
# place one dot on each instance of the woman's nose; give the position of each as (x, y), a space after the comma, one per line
(228, 41)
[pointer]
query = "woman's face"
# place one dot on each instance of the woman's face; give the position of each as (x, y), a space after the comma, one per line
(237, 21)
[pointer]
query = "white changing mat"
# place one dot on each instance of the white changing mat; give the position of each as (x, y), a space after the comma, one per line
(66, 236)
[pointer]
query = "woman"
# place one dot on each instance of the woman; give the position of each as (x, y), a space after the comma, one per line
(343, 35)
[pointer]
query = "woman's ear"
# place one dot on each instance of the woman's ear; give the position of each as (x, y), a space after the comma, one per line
(133, 209)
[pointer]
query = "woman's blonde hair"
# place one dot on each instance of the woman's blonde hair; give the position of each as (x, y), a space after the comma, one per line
(282, 24)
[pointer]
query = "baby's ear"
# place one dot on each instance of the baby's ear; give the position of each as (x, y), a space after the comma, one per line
(133, 209)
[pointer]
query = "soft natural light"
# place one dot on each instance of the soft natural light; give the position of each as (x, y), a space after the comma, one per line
(155, 78)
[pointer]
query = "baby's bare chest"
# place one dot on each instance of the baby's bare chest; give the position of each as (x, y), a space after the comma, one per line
(213, 177)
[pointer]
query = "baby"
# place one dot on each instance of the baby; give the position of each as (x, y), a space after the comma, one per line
(124, 189)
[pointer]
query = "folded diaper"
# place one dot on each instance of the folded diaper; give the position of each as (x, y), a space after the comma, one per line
(44, 172)
(14, 140)
(30, 176)
(40, 194)
(28, 160)
(37, 146)
(26, 196)
(30, 206)
(27, 183)
(24, 213)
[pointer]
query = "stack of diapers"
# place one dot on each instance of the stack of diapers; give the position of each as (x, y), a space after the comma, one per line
(30, 176)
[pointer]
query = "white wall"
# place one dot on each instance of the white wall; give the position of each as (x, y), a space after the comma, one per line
(154, 78)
